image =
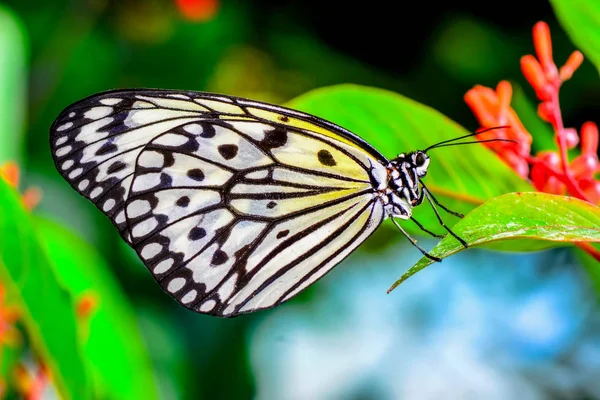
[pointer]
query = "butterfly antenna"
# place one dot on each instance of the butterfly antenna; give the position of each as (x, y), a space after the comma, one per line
(478, 141)
(441, 144)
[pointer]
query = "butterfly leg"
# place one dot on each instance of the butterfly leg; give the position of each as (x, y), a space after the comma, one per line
(443, 207)
(435, 235)
(414, 242)
(437, 214)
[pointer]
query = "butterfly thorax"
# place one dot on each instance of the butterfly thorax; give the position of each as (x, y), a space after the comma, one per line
(403, 191)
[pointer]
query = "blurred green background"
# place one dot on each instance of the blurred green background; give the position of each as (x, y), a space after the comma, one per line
(470, 328)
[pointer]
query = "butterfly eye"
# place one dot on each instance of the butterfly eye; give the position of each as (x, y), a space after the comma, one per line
(420, 159)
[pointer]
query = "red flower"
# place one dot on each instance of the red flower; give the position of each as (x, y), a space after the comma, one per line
(31, 196)
(198, 10)
(31, 383)
(549, 171)
(9, 334)
(8, 316)
(86, 305)
(492, 109)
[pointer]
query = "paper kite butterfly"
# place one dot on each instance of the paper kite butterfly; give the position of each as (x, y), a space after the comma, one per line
(233, 205)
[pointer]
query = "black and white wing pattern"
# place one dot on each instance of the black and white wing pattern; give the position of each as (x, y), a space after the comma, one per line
(233, 205)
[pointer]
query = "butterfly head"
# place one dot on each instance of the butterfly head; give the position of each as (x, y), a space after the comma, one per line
(414, 164)
(416, 160)
(404, 192)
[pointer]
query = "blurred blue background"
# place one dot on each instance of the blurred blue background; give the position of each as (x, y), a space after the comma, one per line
(479, 325)
(472, 327)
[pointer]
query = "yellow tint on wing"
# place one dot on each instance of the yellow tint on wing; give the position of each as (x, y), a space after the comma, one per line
(300, 124)
(279, 208)
(313, 154)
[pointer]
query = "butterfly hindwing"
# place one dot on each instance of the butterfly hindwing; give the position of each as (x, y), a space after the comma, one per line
(233, 205)
(215, 237)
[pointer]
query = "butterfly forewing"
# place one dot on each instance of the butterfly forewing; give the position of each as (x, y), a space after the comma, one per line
(95, 143)
(233, 205)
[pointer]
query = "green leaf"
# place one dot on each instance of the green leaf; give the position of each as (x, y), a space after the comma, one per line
(581, 20)
(538, 216)
(112, 343)
(47, 307)
(462, 176)
(13, 85)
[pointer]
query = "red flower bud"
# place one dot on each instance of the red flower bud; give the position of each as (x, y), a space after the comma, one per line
(483, 104)
(573, 62)
(570, 137)
(584, 166)
(546, 112)
(539, 174)
(533, 72)
(543, 48)
(550, 158)
(198, 10)
(554, 185)
(591, 189)
(589, 138)
(518, 163)
(86, 305)
(10, 172)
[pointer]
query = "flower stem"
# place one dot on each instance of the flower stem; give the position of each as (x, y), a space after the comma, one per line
(588, 248)
(567, 178)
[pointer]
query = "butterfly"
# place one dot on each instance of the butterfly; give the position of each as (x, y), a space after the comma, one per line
(233, 205)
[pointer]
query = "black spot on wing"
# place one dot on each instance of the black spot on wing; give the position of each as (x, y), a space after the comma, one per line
(274, 138)
(196, 174)
(106, 148)
(183, 201)
(197, 233)
(326, 158)
(282, 234)
(228, 151)
(116, 167)
(219, 257)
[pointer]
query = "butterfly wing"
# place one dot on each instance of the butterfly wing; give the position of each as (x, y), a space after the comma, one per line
(233, 205)
(95, 142)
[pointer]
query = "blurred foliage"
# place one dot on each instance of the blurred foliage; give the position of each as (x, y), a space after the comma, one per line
(580, 19)
(133, 338)
(13, 80)
(111, 342)
(43, 299)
